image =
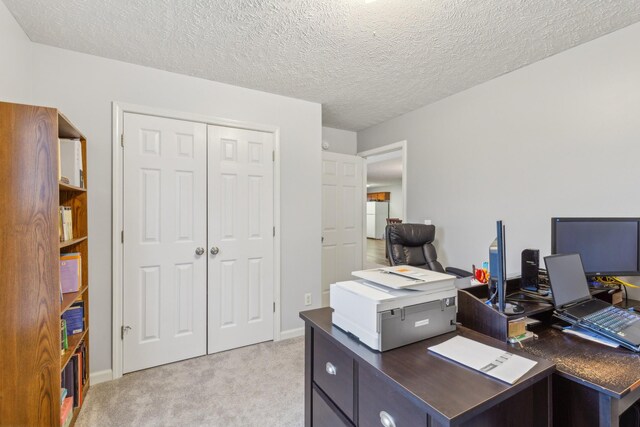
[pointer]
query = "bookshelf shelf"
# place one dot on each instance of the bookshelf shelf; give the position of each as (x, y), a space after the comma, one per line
(74, 342)
(67, 187)
(66, 129)
(72, 242)
(70, 298)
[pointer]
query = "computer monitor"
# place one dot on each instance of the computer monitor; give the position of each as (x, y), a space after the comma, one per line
(607, 246)
(497, 269)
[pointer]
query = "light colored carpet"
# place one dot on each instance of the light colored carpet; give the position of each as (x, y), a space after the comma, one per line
(259, 385)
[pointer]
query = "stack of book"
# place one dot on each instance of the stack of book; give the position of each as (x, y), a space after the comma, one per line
(70, 272)
(74, 318)
(73, 381)
(66, 411)
(65, 226)
(70, 167)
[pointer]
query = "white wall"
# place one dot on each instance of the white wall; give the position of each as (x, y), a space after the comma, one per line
(84, 86)
(560, 137)
(395, 203)
(340, 141)
(15, 57)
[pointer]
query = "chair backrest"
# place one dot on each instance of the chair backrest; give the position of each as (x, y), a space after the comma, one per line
(412, 244)
(394, 221)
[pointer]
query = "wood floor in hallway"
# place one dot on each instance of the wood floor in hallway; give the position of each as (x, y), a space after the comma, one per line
(375, 252)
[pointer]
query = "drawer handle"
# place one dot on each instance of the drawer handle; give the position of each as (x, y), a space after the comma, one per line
(331, 370)
(386, 420)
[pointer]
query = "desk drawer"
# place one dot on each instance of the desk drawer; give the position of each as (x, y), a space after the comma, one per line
(333, 372)
(324, 415)
(381, 405)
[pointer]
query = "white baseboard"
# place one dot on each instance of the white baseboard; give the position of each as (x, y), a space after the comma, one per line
(100, 376)
(292, 333)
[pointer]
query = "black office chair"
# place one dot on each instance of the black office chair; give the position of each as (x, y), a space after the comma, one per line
(412, 244)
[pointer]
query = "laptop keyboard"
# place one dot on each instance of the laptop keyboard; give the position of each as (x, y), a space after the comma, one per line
(612, 319)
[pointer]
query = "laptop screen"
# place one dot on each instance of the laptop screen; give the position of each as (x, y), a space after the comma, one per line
(568, 281)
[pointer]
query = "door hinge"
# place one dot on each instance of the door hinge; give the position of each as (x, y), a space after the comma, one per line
(122, 236)
(274, 307)
(274, 231)
(122, 140)
(273, 156)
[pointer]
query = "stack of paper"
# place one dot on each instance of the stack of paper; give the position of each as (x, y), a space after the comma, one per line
(492, 361)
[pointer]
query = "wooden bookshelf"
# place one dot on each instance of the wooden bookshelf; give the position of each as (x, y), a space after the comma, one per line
(67, 187)
(74, 342)
(70, 298)
(31, 306)
(72, 242)
(76, 198)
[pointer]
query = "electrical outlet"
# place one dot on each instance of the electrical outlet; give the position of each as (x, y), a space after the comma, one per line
(427, 222)
(307, 299)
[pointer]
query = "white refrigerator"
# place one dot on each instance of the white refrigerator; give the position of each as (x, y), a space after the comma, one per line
(377, 214)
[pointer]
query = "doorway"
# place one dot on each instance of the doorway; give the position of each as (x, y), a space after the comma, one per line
(196, 268)
(386, 169)
(342, 212)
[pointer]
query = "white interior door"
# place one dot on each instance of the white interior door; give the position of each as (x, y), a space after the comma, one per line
(165, 216)
(342, 218)
(240, 237)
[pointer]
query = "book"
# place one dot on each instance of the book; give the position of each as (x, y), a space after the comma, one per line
(79, 375)
(85, 374)
(67, 379)
(71, 165)
(60, 223)
(68, 221)
(63, 395)
(65, 225)
(74, 317)
(74, 380)
(63, 336)
(70, 272)
(66, 412)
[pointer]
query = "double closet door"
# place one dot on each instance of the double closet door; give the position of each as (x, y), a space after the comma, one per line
(198, 239)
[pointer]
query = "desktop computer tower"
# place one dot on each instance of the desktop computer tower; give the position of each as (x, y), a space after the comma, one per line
(529, 269)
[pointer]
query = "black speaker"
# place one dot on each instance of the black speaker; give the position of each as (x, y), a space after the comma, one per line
(529, 269)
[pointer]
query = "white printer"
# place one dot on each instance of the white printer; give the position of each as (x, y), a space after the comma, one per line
(394, 306)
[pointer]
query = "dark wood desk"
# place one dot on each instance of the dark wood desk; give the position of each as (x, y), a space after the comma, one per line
(594, 384)
(347, 384)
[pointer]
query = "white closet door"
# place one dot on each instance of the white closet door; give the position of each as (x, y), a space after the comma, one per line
(241, 237)
(165, 214)
(342, 218)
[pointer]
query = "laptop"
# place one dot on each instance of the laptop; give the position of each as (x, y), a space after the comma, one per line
(574, 303)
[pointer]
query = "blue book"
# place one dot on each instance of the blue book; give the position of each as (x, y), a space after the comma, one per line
(74, 317)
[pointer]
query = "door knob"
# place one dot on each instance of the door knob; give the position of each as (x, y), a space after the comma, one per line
(214, 250)
(199, 251)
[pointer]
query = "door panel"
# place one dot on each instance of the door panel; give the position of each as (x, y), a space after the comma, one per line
(240, 205)
(164, 222)
(342, 218)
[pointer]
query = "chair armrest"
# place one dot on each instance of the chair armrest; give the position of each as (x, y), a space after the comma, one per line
(458, 272)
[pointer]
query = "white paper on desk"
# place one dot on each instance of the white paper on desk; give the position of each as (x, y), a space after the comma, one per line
(489, 360)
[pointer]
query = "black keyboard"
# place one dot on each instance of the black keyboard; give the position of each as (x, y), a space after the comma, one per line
(611, 319)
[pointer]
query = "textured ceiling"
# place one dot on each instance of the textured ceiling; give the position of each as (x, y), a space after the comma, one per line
(365, 62)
